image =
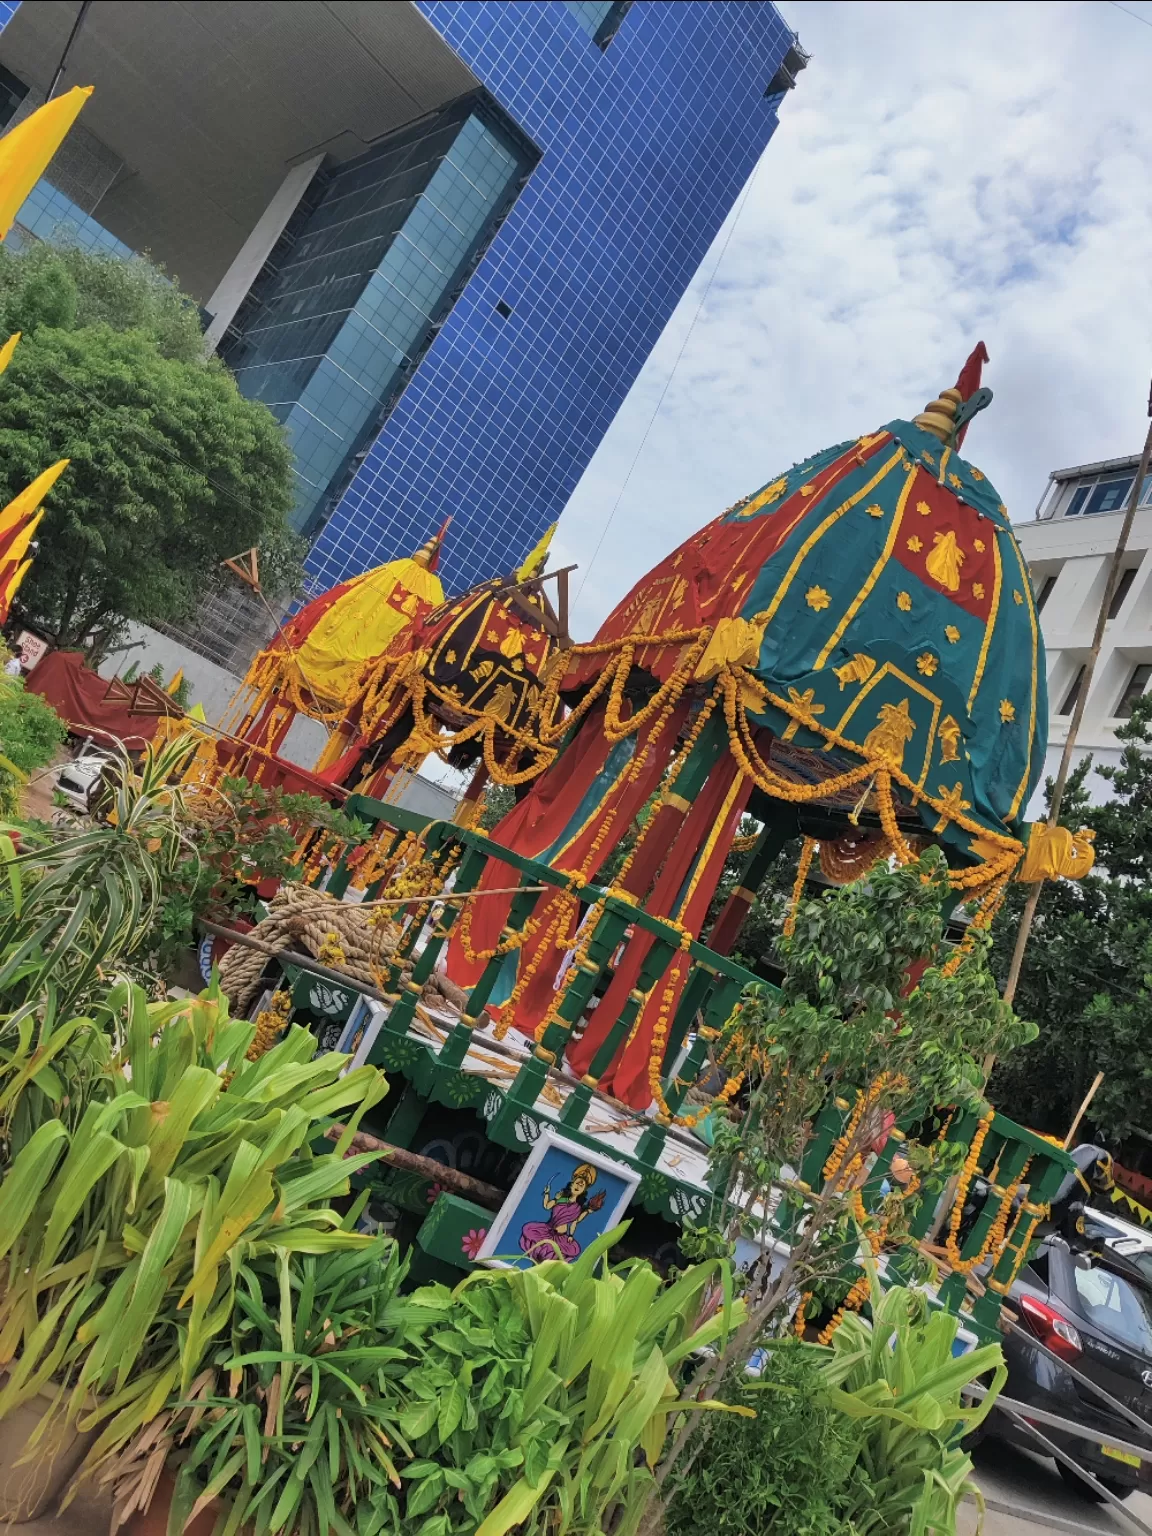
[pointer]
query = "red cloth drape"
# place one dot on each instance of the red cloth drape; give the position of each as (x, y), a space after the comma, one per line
(538, 821)
(708, 829)
(77, 694)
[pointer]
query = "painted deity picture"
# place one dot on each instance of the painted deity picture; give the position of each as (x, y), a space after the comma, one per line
(563, 1198)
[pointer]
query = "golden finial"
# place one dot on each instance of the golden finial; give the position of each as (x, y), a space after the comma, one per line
(939, 417)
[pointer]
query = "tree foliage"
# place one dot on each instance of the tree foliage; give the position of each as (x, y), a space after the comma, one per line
(171, 471)
(1087, 975)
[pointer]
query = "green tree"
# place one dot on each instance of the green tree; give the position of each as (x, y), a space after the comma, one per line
(1087, 974)
(171, 471)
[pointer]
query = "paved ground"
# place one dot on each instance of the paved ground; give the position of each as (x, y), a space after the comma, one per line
(1024, 1494)
(1026, 1497)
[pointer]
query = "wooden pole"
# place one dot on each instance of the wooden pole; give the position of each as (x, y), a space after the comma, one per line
(1088, 1097)
(451, 1178)
(1029, 913)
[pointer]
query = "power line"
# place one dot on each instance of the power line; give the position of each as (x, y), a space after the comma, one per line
(1134, 14)
(668, 381)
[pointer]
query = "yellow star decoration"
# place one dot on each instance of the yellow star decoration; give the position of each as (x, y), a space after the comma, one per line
(1018, 597)
(875, 510)
(492, 637)
(952, 634)
(450, 658)
(904, 602)
(807, 490)
(979, 546)
(927, 664)
(955, 482)
(817, 598)
(923, 508)
(975, 473)
(915, 544)
(1007, 710)
(928, 459)
(951, 804)
(978, 590)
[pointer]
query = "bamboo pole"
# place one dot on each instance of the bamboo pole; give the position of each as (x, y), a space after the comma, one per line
(1088, 1097)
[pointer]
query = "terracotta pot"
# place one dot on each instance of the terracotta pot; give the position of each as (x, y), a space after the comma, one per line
(27, 1490)
(153, 1521)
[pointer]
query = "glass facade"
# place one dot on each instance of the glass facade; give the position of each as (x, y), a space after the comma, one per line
(595, 16)
(49, 215)
(345, 307)
(644, 148)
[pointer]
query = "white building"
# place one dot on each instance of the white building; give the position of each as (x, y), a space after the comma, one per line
(1068, 547)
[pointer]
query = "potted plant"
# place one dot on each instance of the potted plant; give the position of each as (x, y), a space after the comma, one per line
(532, 1400)
(142, 1166)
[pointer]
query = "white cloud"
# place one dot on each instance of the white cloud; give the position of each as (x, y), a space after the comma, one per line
(942, 174)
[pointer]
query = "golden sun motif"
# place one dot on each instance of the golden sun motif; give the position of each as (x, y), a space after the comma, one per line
(875, 510)
(955, 482)
(975, 473)
(951, 633)
(1007, 711)
(923, 508)
(817, 598)
(807, 490)
(928, 459)
(915, 544)
(979, 546)
(904, 602)
(927, 664)
(977, 590)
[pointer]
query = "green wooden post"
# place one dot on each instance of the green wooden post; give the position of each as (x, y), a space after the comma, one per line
(726, 929)
(712, 995)
(830, 1123)
(1041, 1188)
(579, 985)
(652, 970)
(1012, 1155)
(455, 1048)
(400, 1016)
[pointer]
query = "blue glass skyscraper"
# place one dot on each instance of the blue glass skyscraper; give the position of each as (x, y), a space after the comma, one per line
(438, 239)
(647, 120)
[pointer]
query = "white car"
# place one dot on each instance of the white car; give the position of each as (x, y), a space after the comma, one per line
(1131, 1242)
(77, 779)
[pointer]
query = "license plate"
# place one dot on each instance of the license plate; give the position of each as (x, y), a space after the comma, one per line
(1118, 1455)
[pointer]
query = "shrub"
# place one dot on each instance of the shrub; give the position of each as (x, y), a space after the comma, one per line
(782, 1473)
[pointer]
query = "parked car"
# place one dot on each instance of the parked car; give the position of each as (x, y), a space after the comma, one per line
(77, 781)
(1099, 1320)
(1122, 1238)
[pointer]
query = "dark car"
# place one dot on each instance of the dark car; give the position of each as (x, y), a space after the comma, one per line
(1100, 1321)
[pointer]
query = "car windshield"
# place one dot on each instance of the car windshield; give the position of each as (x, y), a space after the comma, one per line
(1116, 1307)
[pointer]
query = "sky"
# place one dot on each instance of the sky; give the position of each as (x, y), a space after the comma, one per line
(942, 174)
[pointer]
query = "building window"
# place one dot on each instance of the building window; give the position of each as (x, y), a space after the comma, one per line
(1134, 690)
(1073, 693)
(1123, 587)
(1045, 592)
(339, 318)
(600, 18)
(1109, 495)
(12, 93)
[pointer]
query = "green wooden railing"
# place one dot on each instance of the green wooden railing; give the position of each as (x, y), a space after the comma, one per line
(711, 989)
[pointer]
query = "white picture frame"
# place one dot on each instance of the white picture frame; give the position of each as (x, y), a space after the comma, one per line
(360, 1029)
(525, 1230)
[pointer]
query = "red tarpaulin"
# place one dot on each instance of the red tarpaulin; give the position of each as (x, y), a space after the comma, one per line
(80, 697)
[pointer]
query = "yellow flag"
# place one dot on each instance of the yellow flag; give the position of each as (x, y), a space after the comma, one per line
(537, 560)
(7, 350)
(9, 588)
(27, 149)
(25, 504)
